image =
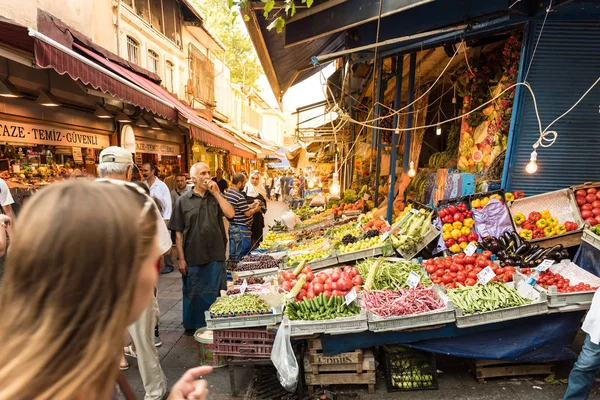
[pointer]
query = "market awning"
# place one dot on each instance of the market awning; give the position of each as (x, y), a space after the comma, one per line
(200, 129)
(243, 151)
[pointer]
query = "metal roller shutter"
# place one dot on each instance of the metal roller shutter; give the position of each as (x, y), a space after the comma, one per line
(565, 65)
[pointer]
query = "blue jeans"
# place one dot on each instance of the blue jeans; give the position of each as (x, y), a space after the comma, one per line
(201, 287)
(584, 372)
(240, 242)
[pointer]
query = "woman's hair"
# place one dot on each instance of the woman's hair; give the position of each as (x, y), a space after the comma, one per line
(68, 290)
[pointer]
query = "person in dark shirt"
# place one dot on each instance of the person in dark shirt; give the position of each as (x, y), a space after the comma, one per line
(201, 241)
(241, 222)
(222, 182)
(284, 182)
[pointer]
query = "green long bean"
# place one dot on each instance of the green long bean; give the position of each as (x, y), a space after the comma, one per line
(483, 298)
(392, 275)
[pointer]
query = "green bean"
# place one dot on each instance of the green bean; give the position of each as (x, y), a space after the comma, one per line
(245, 304)
(482, 298)
(392, 275)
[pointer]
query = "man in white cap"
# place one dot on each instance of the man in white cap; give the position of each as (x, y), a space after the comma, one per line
(116, 163)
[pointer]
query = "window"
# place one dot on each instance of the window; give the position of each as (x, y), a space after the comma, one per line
(171, 11)
(153, 61)
(170, 76)
(133, 49)
(128, 2)
(142, 9)
(156, 15)
(202, 77)
(163, 15)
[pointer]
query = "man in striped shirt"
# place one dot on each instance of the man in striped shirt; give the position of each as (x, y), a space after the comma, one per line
(239, 227)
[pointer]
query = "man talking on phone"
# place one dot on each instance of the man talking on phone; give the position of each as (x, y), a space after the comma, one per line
(197, 221)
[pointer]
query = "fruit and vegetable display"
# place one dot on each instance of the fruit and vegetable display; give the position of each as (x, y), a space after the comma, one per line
(516, 195)
(271, 238)
(461, 270)
(483, 298)
(306, 212)
(253, 263)
(588, 201)
(548, 278)
(376, 223)
(389, 275)
(302, 283)
(321, 308)
(308, 256)
(238, 306)
(538, 225)
(595, 229)
(511, 249)
(278, 226)
(457, 227)
(480, 203)
(338, 211)
(412, 231)
(396, 303)
(365, 241)
(318, 218)
(253, 285)
(250, 281)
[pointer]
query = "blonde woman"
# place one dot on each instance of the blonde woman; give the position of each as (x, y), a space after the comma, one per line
(65, 303)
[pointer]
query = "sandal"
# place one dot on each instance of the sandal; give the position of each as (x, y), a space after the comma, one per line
(124, 367)
(129, 351)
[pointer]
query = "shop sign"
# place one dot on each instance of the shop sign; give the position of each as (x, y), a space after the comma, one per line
(138, 159)
(77, 156)
(156, 147)
(44, 134)
(128, 138)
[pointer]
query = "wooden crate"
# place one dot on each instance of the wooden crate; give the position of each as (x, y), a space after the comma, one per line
(483, 369)
(357, 367)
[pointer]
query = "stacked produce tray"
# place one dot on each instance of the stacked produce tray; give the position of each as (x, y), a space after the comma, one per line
(337, 326)
(257, 273)
(360, 255)
(576, 275)
(408, 369)
(430, 236)
(443, 316)
(538, 306)
(591, 238)
(562, 205)
(247, 343)
(250, 321)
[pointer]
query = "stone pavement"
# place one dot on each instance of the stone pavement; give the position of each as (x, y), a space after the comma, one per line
(178, 353)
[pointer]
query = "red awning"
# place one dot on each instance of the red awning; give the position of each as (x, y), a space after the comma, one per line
(48, 56)
(200, 129)
(242, 151)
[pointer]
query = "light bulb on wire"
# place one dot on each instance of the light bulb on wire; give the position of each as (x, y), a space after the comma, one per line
(438, 130)
(334, 189)
(411, 170)
(532, 165)
(311, 184)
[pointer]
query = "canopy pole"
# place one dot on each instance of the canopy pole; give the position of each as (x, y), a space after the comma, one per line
(380, 90)
(409, 116)
(394, 150)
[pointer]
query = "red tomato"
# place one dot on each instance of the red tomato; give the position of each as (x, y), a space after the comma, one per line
(306, 270)
(440, 272)
(336, 276)
(477, 270)
(482, 262)
(310, 276)
(355, 271)
(318, 288)
(342, 284)
(453, 275)
(436, 279)
(287, 286)
(499, 271)
(347, 269)
(336, 293)
(357, 280)
(469, 267)
(460, 277)
(289, 276)
(306, 286)
(310, 295)
(430, 269)
(302, 293)
(469, 260)
(334, 286)
(327, 287)
(486, 253)
(327, 293)
(459, 261)
(470, 282)
(446, 279)
(337, 270)
(472, 275)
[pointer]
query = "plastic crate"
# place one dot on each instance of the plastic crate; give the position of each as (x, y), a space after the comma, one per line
(591, 238)
(442, 316)
(430, 236)
(360, 255)
(455, 200)
(560, 203)
(257, 273)
(246, 343)
(243, 321)
(336, 326)
(575, 275)
(539, 306)
(316, 264)
(410, 370)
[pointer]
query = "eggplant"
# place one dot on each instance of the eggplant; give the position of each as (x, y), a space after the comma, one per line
(507, 236)
(534, 255)
(502, 255)
(484, 244)
(531, 250)
(531, 264)
(521, 250)
(564, 254)
(510, 249)
(517, 239)
(553, 251)
(503, 242)
(495, 246)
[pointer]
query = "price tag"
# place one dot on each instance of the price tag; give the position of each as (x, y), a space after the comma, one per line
(486, 275)
(414, 211)
(359, 225)
(470, 249)
(544, 265)
(350, 297)
(413, 279)
(243, 287)
(384, 236)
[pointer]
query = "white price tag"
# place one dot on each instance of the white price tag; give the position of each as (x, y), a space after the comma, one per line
(414, 211)
(384, 236)
(413, 279)
(358, 226)
(350, 297)
(486, 275)
(544, 265)
(470, 249)
(243, 287)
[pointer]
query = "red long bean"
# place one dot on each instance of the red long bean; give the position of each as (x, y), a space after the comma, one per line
(395, 303)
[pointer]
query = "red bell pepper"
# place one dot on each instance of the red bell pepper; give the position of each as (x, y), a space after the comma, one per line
(535, 216)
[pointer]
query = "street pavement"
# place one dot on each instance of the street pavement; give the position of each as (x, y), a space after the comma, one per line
(178, 353)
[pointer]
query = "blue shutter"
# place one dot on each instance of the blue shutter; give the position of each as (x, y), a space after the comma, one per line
(565, 65)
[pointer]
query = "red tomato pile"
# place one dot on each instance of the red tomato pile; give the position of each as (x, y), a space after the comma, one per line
(336, 282)
(461, 269)
(589, 205)
(549, 278)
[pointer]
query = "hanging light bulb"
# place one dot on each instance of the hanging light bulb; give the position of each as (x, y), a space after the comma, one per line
(321, 184)
(334, 189)
(532, 165)
(438, 130)
(411, 170)
(311, 184)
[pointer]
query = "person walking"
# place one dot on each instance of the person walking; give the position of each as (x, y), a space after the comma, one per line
(201, 241)
(222, 182)
(61, 337)
(180, 189)
(255, 191)
(586, 368)
(170, 180)
(239, 227)
(283, 183)
(277, 187)
(269, 185)
(159, 191)
(116, 163)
